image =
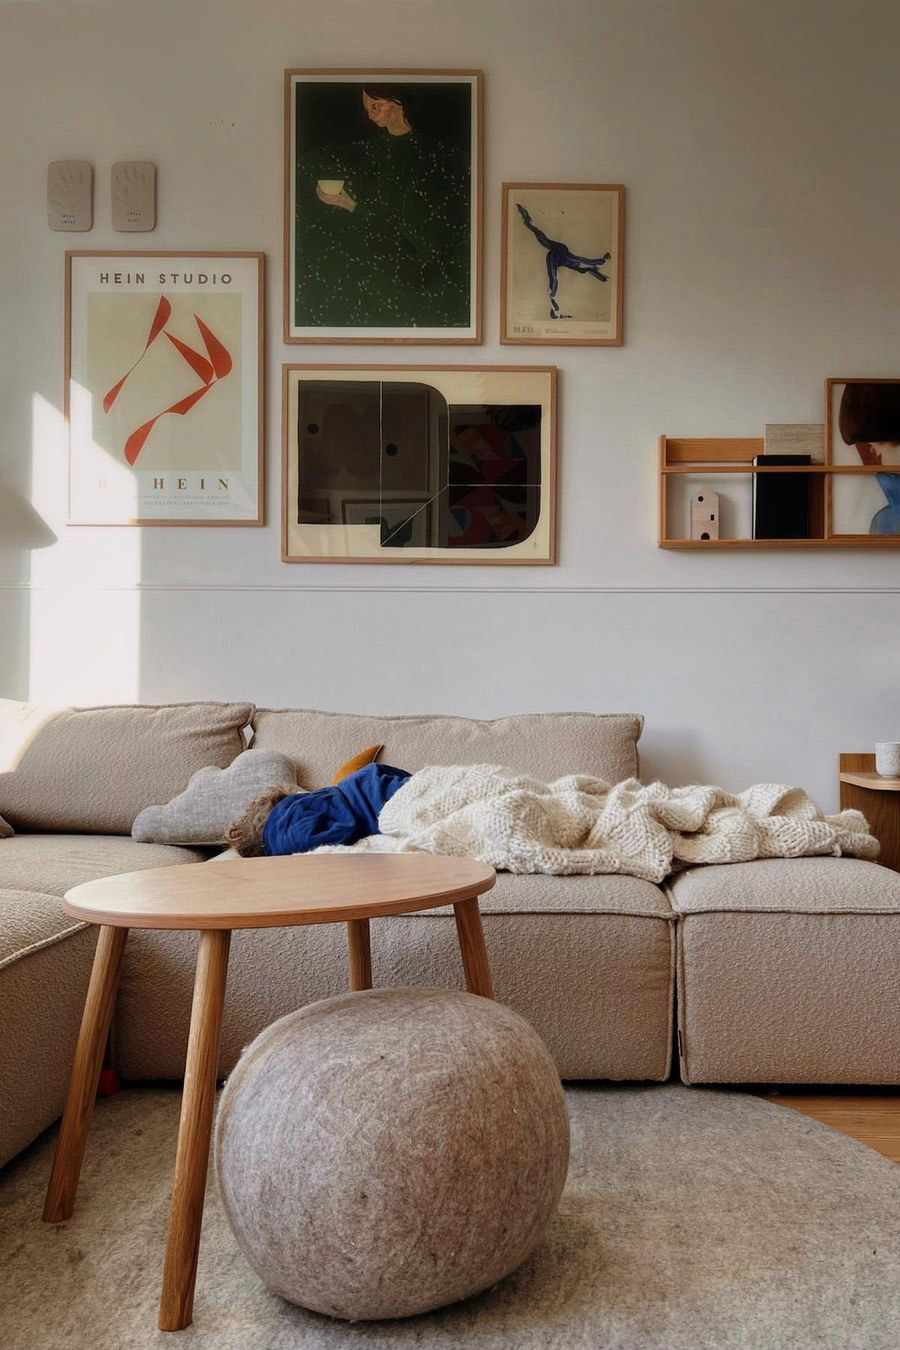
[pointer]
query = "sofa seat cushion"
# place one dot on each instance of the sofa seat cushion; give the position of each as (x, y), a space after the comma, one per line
(29, 921)
(589, 961)
(94, 769)
(53, 863)
(789, 972)
(45, 965)
(788, 885)
(545, 745)
(602, 894)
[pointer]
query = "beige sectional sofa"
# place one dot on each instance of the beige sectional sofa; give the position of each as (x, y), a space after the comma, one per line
(784, 970)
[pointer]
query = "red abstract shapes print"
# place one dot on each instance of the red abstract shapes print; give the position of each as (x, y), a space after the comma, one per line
(215, 365)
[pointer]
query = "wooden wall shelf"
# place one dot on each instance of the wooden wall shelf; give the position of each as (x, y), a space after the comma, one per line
(708, 457)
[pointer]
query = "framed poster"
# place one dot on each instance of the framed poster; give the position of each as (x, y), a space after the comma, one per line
(426, 464)
(382, 206)
(862, 428)
(163, 395)
(562, 263)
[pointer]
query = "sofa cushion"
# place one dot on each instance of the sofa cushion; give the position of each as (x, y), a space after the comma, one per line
(94, 769)
(546, 745)
(532, 893)
(788, 885)
(53, 863)
(789, 972)
(213, 799)
(45, 964)
(30, 920)
(6, 830)
(589, 961)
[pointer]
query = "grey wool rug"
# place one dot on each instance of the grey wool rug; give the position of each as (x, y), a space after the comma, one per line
(692, 1220)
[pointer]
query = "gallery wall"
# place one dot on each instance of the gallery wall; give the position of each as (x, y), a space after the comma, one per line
(757, 140)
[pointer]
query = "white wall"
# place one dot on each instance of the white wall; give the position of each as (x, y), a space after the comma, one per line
(759, 143)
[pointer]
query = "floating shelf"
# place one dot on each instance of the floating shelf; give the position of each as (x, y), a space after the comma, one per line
(708, 457)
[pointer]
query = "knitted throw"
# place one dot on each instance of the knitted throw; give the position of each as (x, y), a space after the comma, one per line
(580, 824)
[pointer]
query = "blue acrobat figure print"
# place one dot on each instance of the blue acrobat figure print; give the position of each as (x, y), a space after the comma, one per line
(560, 255)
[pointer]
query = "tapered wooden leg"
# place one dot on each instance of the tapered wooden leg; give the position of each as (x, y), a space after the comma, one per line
(192, 1158)
(76, 1121)
(471, 945)
(360, 954)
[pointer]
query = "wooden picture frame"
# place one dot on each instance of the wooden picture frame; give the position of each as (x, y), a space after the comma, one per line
(540, 270)
(106, 343)
(409, 292)
(860, 469)
(534, 387)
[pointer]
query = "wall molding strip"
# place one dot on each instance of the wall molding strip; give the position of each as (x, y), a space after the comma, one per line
(201, 587)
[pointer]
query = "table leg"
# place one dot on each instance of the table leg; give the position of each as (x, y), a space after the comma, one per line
(192, 1157)
(471, 946)
(76, 1120)
(360, 954)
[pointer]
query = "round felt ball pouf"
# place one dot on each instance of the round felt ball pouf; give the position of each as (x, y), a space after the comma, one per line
(387, 1152)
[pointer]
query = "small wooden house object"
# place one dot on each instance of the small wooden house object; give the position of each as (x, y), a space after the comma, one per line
(705, 515)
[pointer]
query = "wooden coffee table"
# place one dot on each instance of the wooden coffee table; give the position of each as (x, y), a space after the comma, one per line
(213, 899)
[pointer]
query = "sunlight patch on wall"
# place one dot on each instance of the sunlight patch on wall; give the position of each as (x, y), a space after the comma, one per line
(85, 603)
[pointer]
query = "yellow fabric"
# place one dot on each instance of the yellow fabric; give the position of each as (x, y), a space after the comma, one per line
(367, 756)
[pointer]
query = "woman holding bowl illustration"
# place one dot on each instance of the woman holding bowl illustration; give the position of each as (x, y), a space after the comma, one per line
(383, 225)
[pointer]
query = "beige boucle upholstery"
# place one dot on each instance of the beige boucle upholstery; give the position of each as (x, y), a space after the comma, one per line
(547, 745)
(789, 972)
(45, 965)
(54, 863)
(93, 769)
(389, 1152)
(6, 830)
(588, 961)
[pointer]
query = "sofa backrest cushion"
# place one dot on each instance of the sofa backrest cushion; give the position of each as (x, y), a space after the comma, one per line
(91, 770)
(545, 745)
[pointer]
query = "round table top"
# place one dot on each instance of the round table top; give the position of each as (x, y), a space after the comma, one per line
(279, 892)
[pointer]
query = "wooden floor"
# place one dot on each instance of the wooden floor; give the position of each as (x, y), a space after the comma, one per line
(872, 1116)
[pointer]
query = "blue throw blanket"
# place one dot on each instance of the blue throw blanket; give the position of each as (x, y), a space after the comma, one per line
(333, 815)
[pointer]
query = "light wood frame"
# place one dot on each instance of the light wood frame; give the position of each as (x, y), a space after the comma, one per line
(505, 337)
(478, 184)
(860, 540)
(549, 561)
(728, 455)
(260, 257)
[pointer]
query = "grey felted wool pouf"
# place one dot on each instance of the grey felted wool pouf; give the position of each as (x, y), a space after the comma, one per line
(387, 1152)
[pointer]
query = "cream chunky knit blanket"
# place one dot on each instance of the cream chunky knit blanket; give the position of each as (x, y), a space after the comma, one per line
(584, 825)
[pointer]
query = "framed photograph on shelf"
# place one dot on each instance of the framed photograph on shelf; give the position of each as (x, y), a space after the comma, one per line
(562, 264)
(862, 428)
(427, 464)
(382, 206)
(163, 388)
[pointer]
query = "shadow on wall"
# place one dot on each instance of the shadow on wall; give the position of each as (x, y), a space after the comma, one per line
(20, 525)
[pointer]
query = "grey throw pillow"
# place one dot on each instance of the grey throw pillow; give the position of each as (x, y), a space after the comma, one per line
(213, 799)
(6, 830)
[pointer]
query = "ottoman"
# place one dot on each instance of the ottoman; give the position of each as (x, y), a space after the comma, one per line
(788, 972)
(387, 1152)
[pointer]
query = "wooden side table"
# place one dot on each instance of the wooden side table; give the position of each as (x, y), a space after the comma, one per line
(879, 800)
(214, 900)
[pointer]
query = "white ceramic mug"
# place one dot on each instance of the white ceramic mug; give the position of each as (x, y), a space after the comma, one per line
(887, 758)
(331, 186)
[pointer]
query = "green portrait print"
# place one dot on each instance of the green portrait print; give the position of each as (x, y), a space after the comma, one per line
(383, 200)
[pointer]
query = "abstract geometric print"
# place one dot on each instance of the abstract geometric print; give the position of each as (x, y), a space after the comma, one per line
(428, 473)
